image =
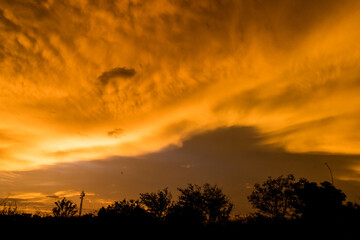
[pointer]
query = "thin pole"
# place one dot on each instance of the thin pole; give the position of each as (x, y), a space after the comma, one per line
(332, 178)
(82, 195)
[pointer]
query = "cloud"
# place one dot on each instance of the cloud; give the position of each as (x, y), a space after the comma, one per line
(115, 133)
(232, 157)
(6, 24)
(53, 196)
(176, 75)
(105, 77)
(164, 70)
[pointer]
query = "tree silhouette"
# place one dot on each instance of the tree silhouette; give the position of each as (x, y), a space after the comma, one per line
(191, 197)
(321, 202)
(123, 208)
(218, 205)
(64, 208)
(207, 201)
(275, 198)
(285, 198)
(157, 203)
(200, 209)
(9, 207)
(351, 213)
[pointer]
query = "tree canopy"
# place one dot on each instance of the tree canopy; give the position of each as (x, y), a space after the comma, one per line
(64, 208)
(209, 201)
(285, 198)
(124, 208)
(157, 203)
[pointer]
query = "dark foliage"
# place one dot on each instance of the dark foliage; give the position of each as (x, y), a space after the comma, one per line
(157, 203)
(286, 200)
(204, 211)
(208, 203)
(275, 198)
(185, 216)
(125, 213)
(319, 203)
(64, 208)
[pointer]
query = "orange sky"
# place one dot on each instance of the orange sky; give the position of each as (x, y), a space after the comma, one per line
(95, 80)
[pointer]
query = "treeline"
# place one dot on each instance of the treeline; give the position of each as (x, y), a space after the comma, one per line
(281, 200)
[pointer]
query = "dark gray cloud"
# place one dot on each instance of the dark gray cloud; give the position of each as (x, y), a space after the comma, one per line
(234, 158)
(119, 72)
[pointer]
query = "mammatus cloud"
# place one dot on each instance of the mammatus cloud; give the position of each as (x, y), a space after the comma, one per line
(290, 69)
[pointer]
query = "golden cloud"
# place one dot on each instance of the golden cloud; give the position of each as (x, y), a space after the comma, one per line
(75, 72)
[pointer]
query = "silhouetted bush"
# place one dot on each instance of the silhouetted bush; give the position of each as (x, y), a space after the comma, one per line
(184, 215)
(318, 203)
(9, 207)
(207, 201)
(64, 208)
(157, 203)
(275, 198)
(350, 213)
(125, 212)
(284, 199)
(205, 210)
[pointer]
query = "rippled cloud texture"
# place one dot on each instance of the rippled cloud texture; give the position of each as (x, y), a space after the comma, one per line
(83, 80)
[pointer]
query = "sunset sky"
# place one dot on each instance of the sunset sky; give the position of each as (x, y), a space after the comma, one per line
(121, 97)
